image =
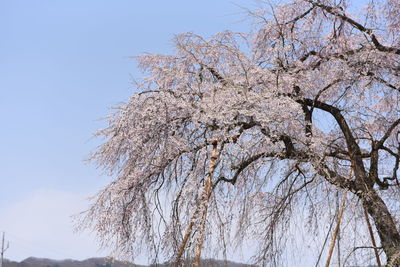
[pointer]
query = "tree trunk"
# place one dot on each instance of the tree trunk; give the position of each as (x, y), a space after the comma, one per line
(385, 225)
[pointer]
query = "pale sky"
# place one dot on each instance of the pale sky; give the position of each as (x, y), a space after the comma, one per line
(63, 64)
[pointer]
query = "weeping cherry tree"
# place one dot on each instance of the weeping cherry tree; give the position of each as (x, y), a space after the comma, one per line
(250, 136)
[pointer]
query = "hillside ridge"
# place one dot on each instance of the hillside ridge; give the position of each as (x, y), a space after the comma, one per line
(107, 262)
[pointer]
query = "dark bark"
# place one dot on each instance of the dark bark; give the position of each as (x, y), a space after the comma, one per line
(384, 223)
(363, 184)
(377, 209)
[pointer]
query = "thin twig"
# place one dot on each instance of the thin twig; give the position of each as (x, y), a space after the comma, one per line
(339, 220)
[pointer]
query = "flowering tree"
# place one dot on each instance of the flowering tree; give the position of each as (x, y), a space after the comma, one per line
(246, 134)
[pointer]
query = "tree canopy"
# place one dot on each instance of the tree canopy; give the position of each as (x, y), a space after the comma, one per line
(244, 134)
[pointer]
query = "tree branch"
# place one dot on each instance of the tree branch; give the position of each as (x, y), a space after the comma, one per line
(388, 133)
(355, 24)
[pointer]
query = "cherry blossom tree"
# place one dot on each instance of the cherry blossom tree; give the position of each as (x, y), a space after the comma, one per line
(246, 136)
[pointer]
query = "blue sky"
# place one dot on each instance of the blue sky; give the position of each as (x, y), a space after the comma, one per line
(62, 65)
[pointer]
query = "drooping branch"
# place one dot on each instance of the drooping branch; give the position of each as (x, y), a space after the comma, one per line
(300, 16)
(327, 56)
(200, 211)
(205, 198)
(388, 133)
(383, 81)
(337, 179)
(357, 248)
(337, 229)
(240, 168)
(338, 13)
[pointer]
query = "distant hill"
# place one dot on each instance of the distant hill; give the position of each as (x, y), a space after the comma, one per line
(106, 262)
(210, 263)
(92, 262)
